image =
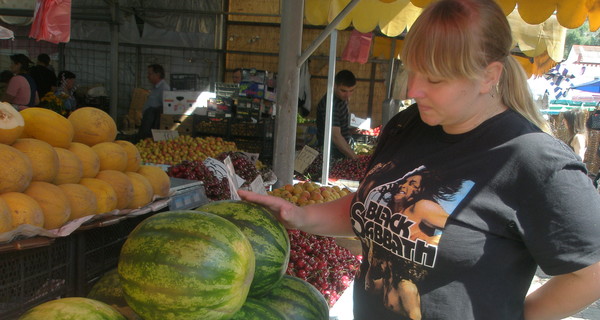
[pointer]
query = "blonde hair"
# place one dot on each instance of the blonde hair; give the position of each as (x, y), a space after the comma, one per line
(459, 38)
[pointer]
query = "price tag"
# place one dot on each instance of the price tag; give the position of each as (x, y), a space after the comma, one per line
(306, 156)
(234, 184)
(160, 135)
(258, 185)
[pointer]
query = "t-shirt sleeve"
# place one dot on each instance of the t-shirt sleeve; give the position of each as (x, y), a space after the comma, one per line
(561, 222)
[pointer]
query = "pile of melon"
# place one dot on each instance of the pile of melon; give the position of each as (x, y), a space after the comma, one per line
(56, 169)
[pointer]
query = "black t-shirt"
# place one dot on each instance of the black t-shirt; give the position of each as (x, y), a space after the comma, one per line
(44, 79)
(454, 226)
(339, 118)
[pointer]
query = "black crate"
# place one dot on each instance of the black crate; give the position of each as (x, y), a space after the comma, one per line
(30, 277)
(98, 247)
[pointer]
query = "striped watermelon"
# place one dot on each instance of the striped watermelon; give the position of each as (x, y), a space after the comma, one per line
(186, 265)
(254, 309)
(72, 308)
(269, 239)
(108, 290)
(297, 300)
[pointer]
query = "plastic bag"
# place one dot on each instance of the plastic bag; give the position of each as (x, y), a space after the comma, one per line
(358, 47)
(52, 21)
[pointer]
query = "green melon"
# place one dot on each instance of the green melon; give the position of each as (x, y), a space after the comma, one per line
(269, 239)
(297, 300)
(108, 290)
(254, 309)
(75, 308)
(187, 264)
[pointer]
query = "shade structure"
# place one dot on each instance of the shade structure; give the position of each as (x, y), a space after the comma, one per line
(591, 86)
(534, 36)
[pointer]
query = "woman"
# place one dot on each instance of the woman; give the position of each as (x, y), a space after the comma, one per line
(574, 121)
(21, 91)
(65, 90)
(529, 201)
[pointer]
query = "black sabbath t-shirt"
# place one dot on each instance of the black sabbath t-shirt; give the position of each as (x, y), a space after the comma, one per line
(451, 225)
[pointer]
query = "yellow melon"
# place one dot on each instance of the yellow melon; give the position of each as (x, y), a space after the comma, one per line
(160, 181)
(112, 156)
(92, 126)
(15, 169)
(142, 190)
(70, 169)
(81, 198)
(6, 223)
(44, 159)
(11, 123)
(23, 209)
(89, 159)
(134, 159)
(55, 204)
(47, 125)
(106, 196)
(121, 183)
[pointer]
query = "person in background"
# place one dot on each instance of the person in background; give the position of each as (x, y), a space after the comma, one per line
(236, 75)
(524, 199)
(341, 135)
(45, 79)
(21, 91)
(154, 104)
(4, 79)
(577, 137)
(66, 89)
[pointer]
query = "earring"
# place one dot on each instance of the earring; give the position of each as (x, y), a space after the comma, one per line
(494, 90)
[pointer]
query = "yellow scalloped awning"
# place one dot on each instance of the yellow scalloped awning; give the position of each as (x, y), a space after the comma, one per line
(536, 30)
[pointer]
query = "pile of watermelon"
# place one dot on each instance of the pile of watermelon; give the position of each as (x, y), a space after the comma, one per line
(224, 260)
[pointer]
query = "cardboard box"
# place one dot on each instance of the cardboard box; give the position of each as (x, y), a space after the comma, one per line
(184, 124)
(185, 102)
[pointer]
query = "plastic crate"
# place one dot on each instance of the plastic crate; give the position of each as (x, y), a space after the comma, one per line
(29, 277)
(98, 247)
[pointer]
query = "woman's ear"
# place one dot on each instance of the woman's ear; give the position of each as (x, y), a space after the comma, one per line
(491, 77)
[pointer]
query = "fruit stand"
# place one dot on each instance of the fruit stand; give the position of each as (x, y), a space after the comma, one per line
(45, 258)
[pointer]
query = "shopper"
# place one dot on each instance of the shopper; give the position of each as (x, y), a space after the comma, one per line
(341, 134)
(21, 91)
(154, 104)
(524, 198)
(66, 90)
(45, 79)
(574, 121)
(236, 75)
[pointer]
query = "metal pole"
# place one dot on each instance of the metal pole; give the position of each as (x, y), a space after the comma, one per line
(114, 58)
(330, 83)
(287, 91)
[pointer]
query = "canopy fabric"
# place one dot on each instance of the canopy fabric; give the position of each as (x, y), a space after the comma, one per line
(592, 86)
(545, 38)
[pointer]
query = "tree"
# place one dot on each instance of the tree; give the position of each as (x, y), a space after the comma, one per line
(581, 36)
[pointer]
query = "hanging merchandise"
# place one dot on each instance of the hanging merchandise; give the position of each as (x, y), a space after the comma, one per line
(52, 21)
(358, 47)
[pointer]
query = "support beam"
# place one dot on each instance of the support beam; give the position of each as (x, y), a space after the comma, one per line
(114, 58)
(288, 75)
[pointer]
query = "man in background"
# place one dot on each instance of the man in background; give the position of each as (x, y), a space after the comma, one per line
(341, 135)
(44, 77)
(154, 104)
(236, 75)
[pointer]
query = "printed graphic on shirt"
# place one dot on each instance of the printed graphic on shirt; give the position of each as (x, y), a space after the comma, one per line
(401, 222)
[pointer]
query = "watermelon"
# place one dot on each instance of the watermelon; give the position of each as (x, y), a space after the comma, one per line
(186, 265)
(108, 290)
(254, 309)
(72, 309)
(297, 300)
(269, 239)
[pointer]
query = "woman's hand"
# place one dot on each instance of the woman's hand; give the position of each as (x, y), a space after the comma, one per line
(286, 212)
